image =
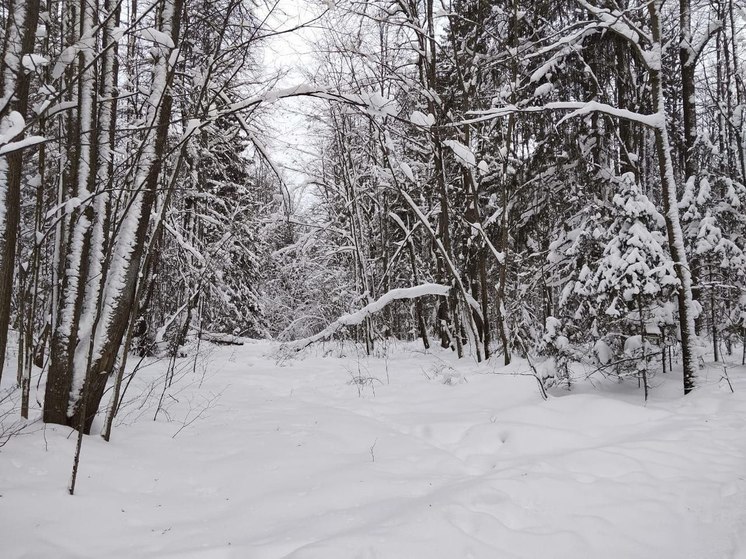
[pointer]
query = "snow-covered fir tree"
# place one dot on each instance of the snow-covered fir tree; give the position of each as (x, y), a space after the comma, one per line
(634, 281)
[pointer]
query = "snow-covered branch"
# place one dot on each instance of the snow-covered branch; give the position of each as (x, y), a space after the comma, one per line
(578, 108)
(359, 316)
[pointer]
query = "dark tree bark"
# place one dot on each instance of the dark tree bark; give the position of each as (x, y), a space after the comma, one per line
(117, 301)
(18, 41)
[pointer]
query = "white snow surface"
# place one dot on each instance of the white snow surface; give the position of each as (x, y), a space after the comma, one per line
(335, 455)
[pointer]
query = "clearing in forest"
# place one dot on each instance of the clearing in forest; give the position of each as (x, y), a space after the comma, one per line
(403, 455)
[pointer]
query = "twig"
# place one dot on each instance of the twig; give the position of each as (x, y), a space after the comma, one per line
(210, 403)
(542, 390)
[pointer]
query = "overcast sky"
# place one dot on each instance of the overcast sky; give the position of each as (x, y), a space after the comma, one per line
(291, 54)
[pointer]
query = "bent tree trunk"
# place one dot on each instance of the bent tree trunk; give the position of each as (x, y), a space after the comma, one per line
(361, 315)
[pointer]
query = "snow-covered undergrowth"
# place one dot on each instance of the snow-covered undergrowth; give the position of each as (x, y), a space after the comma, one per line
(409, 456)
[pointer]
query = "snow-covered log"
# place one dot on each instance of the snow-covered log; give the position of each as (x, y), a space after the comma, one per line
(221, 339)
(358, 317)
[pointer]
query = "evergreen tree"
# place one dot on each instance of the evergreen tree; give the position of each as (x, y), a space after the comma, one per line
(635, 277)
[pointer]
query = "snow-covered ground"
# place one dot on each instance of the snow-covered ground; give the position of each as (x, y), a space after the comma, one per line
(409, 456)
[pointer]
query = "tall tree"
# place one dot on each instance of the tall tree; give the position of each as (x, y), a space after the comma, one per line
(18, 64)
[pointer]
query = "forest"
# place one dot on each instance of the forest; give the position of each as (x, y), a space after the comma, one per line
(573, 173)
(552, 185)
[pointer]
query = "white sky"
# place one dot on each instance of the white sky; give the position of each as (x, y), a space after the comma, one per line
(291, 54)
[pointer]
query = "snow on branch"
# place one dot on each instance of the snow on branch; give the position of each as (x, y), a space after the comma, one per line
(578, 108)
(300, 90)
(372, 104)
(463, 154)
(654, 120)
(13, 127)
(695, 50)
(618, 22)
(186, 245)
(377, 305)
(26, 142)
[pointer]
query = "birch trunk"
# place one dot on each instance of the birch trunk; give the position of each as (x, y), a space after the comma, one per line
(670, 207)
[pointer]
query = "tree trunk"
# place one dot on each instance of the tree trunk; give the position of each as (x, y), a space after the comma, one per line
(687, 59)
(671, 210)
(22, 17)
(122, 272)
(66, 372)
(418, 302)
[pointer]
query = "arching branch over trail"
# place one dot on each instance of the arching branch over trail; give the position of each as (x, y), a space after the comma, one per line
(358, 316)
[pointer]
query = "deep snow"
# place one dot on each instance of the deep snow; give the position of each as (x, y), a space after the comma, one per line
(409, 456)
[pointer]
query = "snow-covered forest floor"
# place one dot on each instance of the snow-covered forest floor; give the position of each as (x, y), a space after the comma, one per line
(406, 455)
